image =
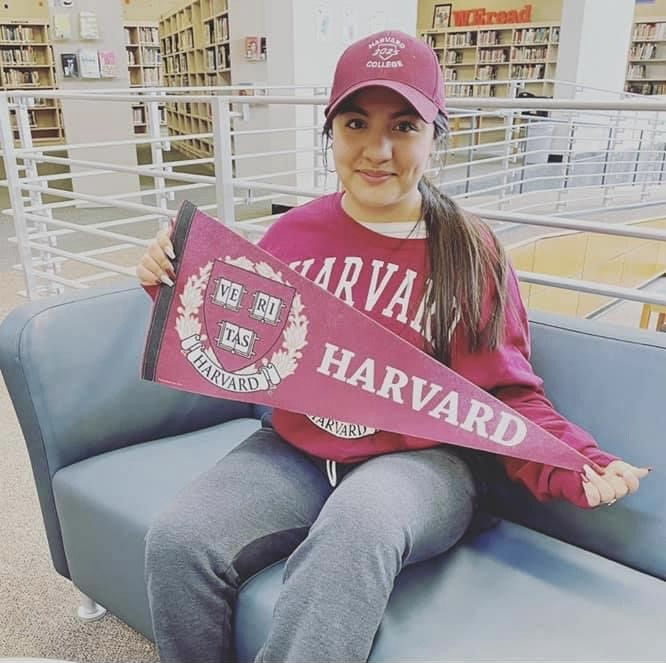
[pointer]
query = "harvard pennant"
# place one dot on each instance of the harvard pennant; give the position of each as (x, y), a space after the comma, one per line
(240, 324)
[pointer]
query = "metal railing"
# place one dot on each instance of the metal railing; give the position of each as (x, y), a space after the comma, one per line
(514, 161)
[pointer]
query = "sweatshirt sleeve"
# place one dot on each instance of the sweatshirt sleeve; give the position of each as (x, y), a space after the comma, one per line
(506, 372)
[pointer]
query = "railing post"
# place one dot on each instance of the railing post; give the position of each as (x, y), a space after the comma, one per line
(652, 140)
(223, 159)
(162, 196)
(634, 177)
(36, 201)
(16, 196)
(318, 181)
(508, 131)
(604, 171)
(612, 142)
(474, 127)
(561, 203)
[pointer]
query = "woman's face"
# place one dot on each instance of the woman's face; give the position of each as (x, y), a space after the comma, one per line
(381, 147)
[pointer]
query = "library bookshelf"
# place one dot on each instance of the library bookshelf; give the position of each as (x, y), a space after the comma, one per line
(195, 48)
(646, 63)
(489, 62)
(26, 63)
(144, 62)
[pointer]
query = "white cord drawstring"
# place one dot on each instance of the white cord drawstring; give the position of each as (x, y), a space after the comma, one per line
(331, 471)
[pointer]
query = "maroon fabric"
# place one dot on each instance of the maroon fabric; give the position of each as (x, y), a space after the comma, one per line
(395, 60)
(293, 369)
(327, 236)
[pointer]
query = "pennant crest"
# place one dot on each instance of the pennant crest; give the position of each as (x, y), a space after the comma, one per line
(245, 314)
(240, 325)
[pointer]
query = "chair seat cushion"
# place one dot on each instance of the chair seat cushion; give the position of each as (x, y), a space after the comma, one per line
(509, 594)
(106, 504)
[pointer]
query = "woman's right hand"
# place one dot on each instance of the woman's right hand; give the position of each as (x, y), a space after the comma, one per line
(155, 265)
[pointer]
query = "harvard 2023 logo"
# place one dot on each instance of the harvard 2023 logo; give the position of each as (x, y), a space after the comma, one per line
(249, 312)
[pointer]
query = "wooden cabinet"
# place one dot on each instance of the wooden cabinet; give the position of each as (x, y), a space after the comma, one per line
(646, 62)
(195, 47)
(484, 62)
(26, 62)
(144, 61)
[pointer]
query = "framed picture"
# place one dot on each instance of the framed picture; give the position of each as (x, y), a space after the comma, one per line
(70, 65)
(441, 17)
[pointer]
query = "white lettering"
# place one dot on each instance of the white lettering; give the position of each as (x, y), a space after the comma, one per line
(329, 360)
(448, 406)
(478, 416)
(323, 278)
(375, 291)
(394, 381)
(505, 421)
(401, 297)
(349, 278)
(365, 374)
(418, 402)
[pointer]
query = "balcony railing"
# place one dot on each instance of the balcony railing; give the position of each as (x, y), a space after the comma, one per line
(527, 165)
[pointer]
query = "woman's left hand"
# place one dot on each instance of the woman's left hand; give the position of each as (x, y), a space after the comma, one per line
(614, 482)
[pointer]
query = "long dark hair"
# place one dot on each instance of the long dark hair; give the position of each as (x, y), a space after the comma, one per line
(467, 262)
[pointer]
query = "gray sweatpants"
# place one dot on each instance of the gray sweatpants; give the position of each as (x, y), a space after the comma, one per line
(344, 547)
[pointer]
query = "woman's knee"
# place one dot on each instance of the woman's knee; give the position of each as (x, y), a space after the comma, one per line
(173, 542)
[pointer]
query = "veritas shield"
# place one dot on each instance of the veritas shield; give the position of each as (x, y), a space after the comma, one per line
(244, 314)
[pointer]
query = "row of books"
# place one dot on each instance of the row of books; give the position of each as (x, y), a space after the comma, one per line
(636, 71)
(19, 33)
(217, 30)
(181, 41)
(462, 90)
(491, 38)
(486, 73)
(540, 53)
(19, 77)
(646, 88)
(643, 51)
(151, 57)
(149, 35)
(217, 58)
(19, 56)
(656, 31)
(494, 55)
(453, 57)
(176, 64)
(145, 35)
(535, 35)
(151, 77)
(528, 71)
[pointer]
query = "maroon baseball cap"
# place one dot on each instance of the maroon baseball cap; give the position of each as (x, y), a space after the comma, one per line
(395, 60)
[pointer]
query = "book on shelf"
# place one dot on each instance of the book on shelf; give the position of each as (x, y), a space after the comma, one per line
(655, 31)
(108, 66)
(89, 63)
(70, 65)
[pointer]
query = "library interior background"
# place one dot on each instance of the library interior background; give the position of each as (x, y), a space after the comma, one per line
(115, 112)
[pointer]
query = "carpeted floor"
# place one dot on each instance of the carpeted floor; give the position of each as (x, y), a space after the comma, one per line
(37, 606)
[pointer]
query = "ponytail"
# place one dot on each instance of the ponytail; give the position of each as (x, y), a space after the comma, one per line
(466, 262)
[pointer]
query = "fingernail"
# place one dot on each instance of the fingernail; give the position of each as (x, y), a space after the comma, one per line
(166, 280)
(170, 253)
(584, 478)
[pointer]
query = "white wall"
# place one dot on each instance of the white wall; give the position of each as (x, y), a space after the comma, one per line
(594, 42)
(87, 121)
(305, 39)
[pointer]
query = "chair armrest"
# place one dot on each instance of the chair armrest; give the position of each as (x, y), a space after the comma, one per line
(72, 368)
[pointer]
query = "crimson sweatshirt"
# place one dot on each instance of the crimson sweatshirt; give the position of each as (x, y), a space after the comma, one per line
(384, 277)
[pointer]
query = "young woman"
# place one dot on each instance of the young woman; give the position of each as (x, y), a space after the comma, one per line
(349, 514)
